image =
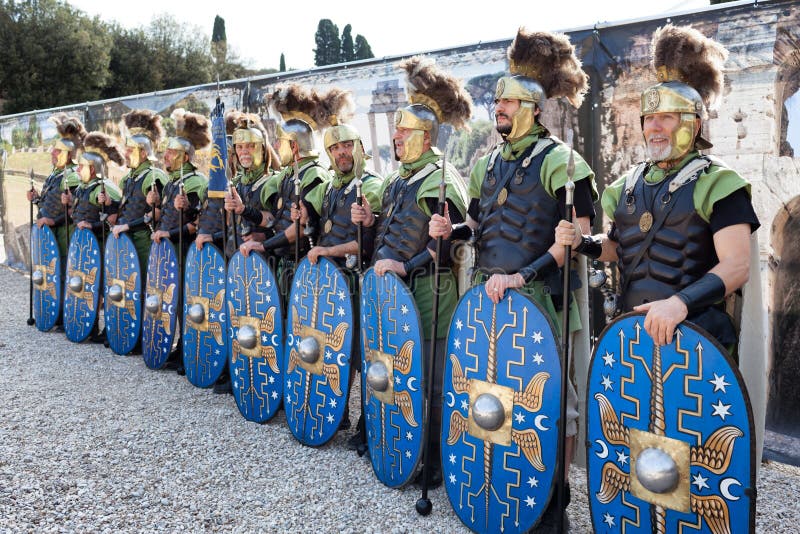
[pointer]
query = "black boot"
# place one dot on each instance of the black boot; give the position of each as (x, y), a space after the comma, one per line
(98, 336)
(223, 385)
(548, 522)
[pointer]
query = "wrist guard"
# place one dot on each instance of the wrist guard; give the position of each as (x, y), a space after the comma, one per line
(539, 268)
(462, 232)
(703, 293)
(417, 262)
(590, 247)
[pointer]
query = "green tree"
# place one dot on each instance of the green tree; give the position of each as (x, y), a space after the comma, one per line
(482, 89)
(18, 137)
(53, 54)
(464, 147)
(362, 48)
(180, 53)
(33, 137)
(348, 48)
(132, 69)
(329, 46)
(282, 67)
(219, 43)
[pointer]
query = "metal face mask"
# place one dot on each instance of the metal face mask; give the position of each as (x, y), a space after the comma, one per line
(244, 136)
(65, 148)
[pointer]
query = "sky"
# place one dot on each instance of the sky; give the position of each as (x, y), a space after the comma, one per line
(259, 31)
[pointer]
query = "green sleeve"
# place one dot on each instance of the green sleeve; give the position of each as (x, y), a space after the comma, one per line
(154, 174)
(713, 185)
(71, 179)
(554, 170)
(316, 195)
(476, 177)
(272, 187)
(611, 196)
(196, 183)
(372, 189)
(112, 190)
(456, 192)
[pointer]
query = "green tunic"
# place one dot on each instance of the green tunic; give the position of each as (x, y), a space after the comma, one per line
(313, 197)
(553, 176)
(422, 287)
(70, 180)
(141, 238)
(714, 184)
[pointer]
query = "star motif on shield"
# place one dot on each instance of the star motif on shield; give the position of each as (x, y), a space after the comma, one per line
(341, 295)
(538, 359)
(408, 454)
(459, 324)
(452, 459)
(271, 379)
(340, 311)
(288, 384)
(608, 359)
(221, 269)
(332, 403)
(533, 482)
(719, 383)
(328, 354)
(700, 481)
(409, 436)
(297, 284)
(519, 417)
(721, 410)
(608, 519)
(622, 458)
(457, 343)
(288, 399)
(530, 501)
(404, 309)
(264, 338)
(537, 337)
(269, 284)
(269, 299)
(607, 383)
(330, 418)
(274, 394)
(464, 405)
(406, 328)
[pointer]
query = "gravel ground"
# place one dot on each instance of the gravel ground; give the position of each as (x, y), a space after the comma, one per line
(90, 441)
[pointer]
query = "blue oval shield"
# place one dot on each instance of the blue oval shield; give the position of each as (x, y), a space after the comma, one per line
(46, 277)
(122, 294)
(82, 285)
(163, 292)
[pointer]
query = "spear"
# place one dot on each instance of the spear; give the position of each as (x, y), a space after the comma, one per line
(424, 505)
(31, 320)
(297, 222)
(569, 188)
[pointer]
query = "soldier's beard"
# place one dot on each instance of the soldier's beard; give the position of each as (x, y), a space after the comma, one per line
(344, 164)
(504, 129)
(659, 154)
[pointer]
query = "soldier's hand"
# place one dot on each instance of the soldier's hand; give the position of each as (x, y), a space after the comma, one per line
(83, 225)
(663, 316)
(233, 202)
(202, 239)
(181, 202)
(153, 198)
(362, 214)
(32, 195)
(103, 198)
(385, 266)
(247, 246)
(497, 285)
(315, 253)
(300, 214)
(66, 198)
(41, 221)
(568, 234)
(440, 226)
(119, 228)
(158, 235)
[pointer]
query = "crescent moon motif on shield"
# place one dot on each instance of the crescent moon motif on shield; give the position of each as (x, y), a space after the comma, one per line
(603, 447)
(725, 488)
(538, 423)
(171, 309)
(290, 340)
(339, 359)
(272, 340)
(452, 399)
(410, 383)
(222, 317)
(135, 295)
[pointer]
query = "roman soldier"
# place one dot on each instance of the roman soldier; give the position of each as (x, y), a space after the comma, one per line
(681, 221)
(255, 162)
(517, 193)
(301, 176)
(144, 133)
(409, 197)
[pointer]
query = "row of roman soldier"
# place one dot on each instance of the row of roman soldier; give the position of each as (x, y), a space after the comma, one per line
(284, 282)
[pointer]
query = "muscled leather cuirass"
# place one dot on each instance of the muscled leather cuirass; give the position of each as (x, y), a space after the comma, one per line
(134, 206)
(402, 231)
(516, 224)
(283, 212)
(335, 224)
(681, 251)
(251, 198)
(50, 205)
(84, 209)
(170, 217)
(210, 221)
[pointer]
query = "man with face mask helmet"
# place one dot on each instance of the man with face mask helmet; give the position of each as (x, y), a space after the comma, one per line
(88, 210)
(144, 132)
(51, 211)
(255, 162)
(302, 114)
(409, 197)
(699, 210)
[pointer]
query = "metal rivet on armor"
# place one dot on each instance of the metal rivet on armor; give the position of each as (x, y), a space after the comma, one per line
(247, 337)
(378, 376)
(75, 284)
(196, 313)
(518, 176)
(610, 305)
(502, 197)
(309, 349)
(38, 277)
(488, 412)
(152, 303)
(597, 278)
(328, 225)
(656, 470)
(490, 179)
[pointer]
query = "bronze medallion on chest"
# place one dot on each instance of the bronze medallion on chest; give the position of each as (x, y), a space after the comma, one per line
(280, 203)
(646, 222)
(328, 226)
(502, 197)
